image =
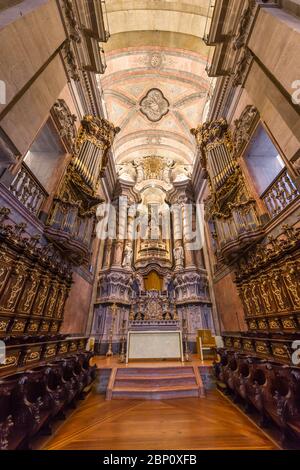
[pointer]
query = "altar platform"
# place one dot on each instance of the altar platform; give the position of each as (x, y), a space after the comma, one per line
(104, 362)
(151, 380)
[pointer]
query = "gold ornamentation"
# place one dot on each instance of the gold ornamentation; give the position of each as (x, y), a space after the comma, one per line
(280, 351)
(247, 300)
(262, 324)
(63, 349)
(54, 327)
(10, 361)
(274, 324)
(32, 356)
(33, 326)
(3, 325)
(53, 298)
(277, 291)
(73, 346)
(261, 347)
(45, 326)
(247, 345)
(255, 298)
(15, 290)
(292, 287)
(61, 303)
(42, 295)
(19, 326)
(252, 325)
(288, 323)
(3, 272)
(50, 351)
(237, 343)
(265, 294)
(31, 292)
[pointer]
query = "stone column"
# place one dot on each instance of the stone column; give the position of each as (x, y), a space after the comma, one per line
(128, 243)
(107, 254)
(118, 247)
(187, 216)
(177, 233)
(118, 243)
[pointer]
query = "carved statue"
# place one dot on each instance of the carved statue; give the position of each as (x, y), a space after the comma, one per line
(128, 254)
(127, 170)
(65, 121)
(138, 164)
(182, 172)
(179, 257)
(136, 284)
(169, 165)
(170, 287)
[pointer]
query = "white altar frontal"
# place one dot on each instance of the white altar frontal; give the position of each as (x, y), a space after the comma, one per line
(155, 345)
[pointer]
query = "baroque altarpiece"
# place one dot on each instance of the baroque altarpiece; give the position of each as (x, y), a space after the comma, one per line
(158, 276)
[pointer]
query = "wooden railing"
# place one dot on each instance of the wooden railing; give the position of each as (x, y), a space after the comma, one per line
(280, 194)
(28, 190)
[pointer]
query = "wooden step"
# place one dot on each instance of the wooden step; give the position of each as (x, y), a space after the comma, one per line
(155, 395)
(158, 389)
(154, 383)
(158, 371)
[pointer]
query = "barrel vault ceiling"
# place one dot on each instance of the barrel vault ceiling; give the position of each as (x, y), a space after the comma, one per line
(155, 86)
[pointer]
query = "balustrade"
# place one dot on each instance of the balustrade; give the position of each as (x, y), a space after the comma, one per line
(27, 189)
(280, 194)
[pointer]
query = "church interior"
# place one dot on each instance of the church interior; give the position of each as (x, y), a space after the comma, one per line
(149, 224)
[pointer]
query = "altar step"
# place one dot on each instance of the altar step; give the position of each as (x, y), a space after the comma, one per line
(154, 383)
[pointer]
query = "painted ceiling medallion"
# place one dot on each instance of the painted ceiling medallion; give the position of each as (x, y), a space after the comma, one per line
(154, 105)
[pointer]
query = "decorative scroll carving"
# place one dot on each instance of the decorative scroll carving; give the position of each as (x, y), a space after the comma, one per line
(115, 285)
(154, 167)
(244, 25)
(243, 127)
(191, 286)
(65, 121)
(70, 60)
(71, 21)
(242, 66)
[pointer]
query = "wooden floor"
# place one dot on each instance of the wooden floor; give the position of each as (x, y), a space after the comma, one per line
(189, 423)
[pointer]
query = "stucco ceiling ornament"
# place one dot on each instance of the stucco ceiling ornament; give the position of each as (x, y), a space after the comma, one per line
(154, 105)
(155, 60)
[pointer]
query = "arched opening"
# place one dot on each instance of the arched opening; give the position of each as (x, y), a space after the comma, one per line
(153, 281)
